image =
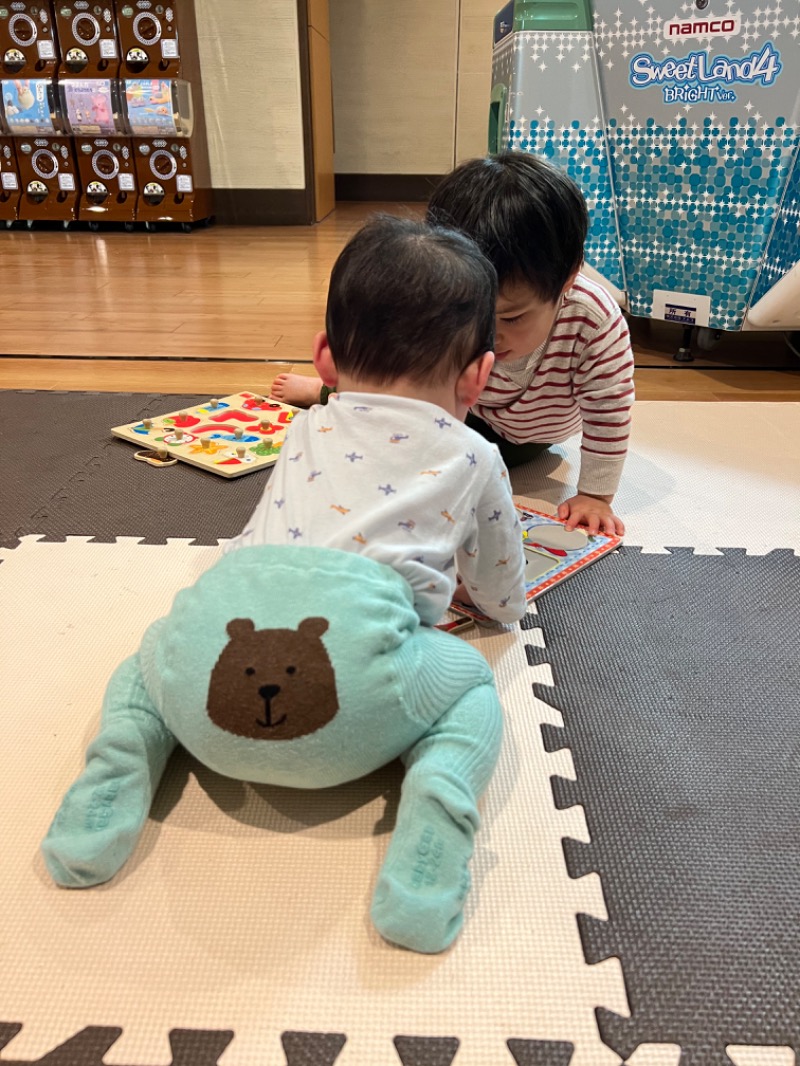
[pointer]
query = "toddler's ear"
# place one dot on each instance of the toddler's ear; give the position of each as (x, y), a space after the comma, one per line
(323, 361)
(473, 380)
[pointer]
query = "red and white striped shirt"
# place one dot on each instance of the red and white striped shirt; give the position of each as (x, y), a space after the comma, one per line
(581, 380)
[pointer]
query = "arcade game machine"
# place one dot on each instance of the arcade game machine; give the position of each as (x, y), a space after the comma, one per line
(163, 106)
(47, 171)
(681, 124)
(28, 61)
(9, 175)
(89, 99)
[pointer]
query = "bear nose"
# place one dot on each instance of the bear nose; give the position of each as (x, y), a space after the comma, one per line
(266, 692)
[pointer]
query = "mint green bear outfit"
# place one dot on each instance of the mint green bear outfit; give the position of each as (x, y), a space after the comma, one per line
(303, 667)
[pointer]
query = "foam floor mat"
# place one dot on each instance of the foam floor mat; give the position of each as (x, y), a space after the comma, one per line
(635, 877)
(682, 718)
(65, 475)
(245, 908)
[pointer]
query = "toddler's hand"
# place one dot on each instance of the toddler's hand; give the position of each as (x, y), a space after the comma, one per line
(592, 513)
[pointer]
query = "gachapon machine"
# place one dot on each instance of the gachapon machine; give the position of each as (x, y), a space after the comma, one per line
(47, 171)
(9, 175)
(93, 113)
(87, 39)
(159, 116)
(150, 42)
(28, 46)
(160, 69)
(681, 124)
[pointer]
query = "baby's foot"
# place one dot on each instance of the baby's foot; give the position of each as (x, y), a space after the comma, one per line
(424, 881)
(101, 817)
(296, 389)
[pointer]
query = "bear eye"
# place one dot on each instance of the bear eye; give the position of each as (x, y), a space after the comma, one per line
(250, 671)
(291, 669)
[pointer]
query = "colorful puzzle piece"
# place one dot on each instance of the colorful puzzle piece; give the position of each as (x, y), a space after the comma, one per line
(246, 438)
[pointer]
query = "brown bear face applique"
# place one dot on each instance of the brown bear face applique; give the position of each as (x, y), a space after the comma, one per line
(273, 684)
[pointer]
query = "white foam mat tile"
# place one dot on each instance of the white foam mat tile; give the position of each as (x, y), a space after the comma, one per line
(699, 475)
(246, 908)
(760, 1056)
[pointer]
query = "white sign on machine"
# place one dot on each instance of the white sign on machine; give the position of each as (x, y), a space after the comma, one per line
(686, 308)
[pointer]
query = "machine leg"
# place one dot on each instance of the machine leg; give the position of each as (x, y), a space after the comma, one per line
(684, 353)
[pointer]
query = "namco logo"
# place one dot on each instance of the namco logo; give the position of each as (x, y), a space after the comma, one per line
(706, 27)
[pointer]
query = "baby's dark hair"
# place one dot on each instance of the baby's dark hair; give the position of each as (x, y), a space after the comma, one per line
(527, 216)
(409, 300)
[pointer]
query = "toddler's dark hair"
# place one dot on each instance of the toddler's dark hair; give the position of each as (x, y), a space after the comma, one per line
(528, 217)
(409, 300)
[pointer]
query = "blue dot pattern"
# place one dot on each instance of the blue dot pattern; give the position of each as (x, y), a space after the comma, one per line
(696, 204)
(784, 247)
(582, 153)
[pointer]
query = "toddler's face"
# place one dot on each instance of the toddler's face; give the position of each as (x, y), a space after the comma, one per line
(523, 322)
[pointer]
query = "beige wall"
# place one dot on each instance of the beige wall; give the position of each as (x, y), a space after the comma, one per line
(255, 141)
(474, 77)
(394, 85)
(411, 83)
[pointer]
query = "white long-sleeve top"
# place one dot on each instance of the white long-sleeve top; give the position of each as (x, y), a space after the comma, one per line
(407, 484)
(580, 380)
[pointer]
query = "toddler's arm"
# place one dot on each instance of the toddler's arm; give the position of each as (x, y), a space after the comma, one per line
(491, 563)
(603, 385)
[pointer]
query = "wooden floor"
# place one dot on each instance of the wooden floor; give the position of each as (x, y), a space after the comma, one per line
(228, 308)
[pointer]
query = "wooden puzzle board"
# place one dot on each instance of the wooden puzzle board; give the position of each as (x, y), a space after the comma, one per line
(229, 436)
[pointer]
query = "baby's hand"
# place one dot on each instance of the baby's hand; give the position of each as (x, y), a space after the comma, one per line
(592, 512)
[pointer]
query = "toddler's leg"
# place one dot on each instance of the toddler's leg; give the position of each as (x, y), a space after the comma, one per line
(100, 818)
(424, 880)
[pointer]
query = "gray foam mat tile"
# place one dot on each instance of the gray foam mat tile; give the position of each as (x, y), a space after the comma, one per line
(204, 1047)
(426, 1051)
(189, 1047)
(678, 677)
(65, 475)
(541, 1052)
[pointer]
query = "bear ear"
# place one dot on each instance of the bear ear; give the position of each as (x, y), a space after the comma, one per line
(240, 628)
(313, 627)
